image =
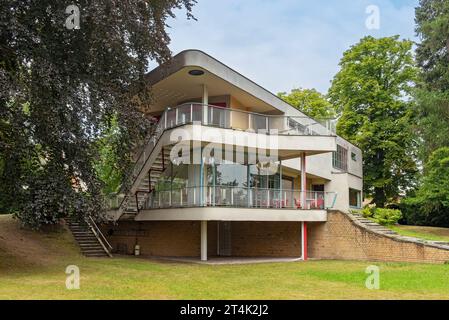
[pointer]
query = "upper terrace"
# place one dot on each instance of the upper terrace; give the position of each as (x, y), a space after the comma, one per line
(194, 76)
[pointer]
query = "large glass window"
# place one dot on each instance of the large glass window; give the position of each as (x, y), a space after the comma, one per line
(340, 158)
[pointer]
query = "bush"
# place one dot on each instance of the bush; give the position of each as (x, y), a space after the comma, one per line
(382, 216)
(386, 216)
(367, 212)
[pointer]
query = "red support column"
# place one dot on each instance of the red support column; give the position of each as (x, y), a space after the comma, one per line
(305, 241)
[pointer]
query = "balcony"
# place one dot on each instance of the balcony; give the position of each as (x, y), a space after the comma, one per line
(229, 118)
(238, 197)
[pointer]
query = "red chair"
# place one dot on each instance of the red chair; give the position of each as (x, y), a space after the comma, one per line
(298, 204)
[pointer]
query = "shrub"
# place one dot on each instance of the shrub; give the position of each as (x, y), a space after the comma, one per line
(386, 216)
(367, 212)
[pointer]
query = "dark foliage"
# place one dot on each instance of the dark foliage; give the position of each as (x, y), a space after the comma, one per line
(60, 90)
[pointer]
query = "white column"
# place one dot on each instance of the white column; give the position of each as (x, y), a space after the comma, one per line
(302, 240)
(205, 102)
(304, 254)
(203, 240)
(303, 181)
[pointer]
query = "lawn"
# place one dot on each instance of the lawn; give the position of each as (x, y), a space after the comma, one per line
(32, 266)
(428, 233)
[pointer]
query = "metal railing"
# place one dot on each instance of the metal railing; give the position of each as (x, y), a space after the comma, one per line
(239, 197)
(99, 235)
(230, 118)
(221, 117)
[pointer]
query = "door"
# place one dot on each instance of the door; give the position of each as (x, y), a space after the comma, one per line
(224, 238)
(317, 201)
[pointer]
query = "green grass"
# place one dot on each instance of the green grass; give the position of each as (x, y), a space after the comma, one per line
(427, 233)
(35, 269)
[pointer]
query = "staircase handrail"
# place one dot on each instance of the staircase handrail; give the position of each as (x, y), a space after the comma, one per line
(99, 235)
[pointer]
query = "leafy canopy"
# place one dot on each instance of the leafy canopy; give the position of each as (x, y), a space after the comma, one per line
(372, 93)
(430, 205)
(60, 90)
(432, 94)
(310, 102)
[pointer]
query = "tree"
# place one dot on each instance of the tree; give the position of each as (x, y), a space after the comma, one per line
(310, 102)
(432, 94)
(62, 83)
(372, 92)
(430, 205)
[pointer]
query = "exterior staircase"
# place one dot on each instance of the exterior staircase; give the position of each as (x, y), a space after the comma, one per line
(146, 185)
(371, 225)
(149, 165)
(89, 238)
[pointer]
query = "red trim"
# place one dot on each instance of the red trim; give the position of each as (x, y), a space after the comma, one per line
(305, 241)
(219, 104)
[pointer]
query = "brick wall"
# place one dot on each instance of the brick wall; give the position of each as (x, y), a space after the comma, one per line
(266, 239)
(182, 238)
(342, 238)
(156, 238)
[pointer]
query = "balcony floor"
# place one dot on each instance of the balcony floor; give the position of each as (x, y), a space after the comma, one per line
(231, 214)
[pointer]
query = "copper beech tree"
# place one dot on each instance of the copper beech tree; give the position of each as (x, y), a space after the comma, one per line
(67, 71)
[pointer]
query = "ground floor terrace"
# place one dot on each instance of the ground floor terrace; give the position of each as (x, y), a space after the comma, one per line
(235, 185)
(217, 241)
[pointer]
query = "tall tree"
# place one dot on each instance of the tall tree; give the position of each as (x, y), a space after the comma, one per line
(62, 83)
(372, 92)
(432, 56)
(430, 204)
(309, 101)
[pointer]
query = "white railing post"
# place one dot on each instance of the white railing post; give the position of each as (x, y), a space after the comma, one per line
(268, 198)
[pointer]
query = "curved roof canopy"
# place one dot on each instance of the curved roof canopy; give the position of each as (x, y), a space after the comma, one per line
(173, 83)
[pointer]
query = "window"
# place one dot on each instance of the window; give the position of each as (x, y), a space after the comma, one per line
(353, 156)
(340, 158)
(355, 200)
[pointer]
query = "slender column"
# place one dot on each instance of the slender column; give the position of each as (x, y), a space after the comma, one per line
(171, 183)
(304, 240)
(202, 180)
(281, 198)
(303, 181)
(248, 185)
(203, 240)
(205, 102)
(213, 203)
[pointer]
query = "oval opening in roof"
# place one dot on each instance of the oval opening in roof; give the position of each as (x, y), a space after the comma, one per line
(196, 72)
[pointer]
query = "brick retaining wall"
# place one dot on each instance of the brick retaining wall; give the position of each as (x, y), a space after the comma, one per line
(182, 238)
(343, 238)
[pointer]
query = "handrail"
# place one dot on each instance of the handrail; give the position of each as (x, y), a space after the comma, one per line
(161, 127)
(99, 235)
(245, 197)
(252, 112)
(315, 122)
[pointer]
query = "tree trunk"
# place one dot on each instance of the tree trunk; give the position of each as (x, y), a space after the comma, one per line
(379, 197)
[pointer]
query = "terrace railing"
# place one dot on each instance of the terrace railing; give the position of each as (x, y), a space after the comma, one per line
(221, 117)
(239, 197)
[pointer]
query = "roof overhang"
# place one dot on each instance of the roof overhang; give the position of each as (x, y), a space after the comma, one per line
(171, 83)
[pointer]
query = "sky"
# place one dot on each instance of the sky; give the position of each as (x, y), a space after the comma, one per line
(286, 44)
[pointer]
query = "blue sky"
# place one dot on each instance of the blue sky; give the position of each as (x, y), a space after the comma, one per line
(286, 43)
